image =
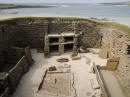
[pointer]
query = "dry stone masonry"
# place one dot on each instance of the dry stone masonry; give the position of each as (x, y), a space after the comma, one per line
(115, 44)
(58, 35)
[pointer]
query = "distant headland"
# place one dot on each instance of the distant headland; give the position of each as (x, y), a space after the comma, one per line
(118, 3)
(11, 6)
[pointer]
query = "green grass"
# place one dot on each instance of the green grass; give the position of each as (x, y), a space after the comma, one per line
(6, 5)
(43, 18)
(123, 3)
(118, 26)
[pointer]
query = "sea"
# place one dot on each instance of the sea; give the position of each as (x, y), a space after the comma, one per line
(118, 13)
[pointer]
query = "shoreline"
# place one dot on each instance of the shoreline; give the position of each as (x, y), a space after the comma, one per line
(8, 16)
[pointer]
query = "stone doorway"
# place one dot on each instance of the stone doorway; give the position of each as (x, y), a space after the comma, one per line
(128, 49)
(68, 48)
(54, 48)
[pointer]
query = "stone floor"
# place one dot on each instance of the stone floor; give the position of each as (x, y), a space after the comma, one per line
(82, 80)
(57, 83)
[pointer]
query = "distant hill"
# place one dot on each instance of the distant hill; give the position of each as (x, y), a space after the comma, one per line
(118, 3)
(2, 6)
(10, 6)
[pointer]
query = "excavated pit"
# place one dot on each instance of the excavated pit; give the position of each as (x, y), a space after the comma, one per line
(92, 52)
(58, 81)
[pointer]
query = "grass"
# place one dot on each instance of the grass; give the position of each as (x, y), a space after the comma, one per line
(123, 3)
(43, 18)
(118, 26)
(6, 5)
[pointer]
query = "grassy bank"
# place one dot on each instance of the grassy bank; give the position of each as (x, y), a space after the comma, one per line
(118, 26)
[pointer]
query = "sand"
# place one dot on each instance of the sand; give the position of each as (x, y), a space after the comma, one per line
(80, 74)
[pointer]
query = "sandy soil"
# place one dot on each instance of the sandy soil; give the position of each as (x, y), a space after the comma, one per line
(83, 79)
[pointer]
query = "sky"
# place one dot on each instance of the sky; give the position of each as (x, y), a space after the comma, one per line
(59, 1)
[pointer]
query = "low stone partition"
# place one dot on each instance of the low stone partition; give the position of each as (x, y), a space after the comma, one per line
(100, 81)
(15, 74)
(112, 64)
(28, 55)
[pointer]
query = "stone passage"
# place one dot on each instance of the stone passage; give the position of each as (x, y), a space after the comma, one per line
(60, 43)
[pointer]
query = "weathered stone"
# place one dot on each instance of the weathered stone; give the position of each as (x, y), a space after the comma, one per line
(3, 81)
(15, 74)
(52, 68)
(5, 93)
(103, 54)
(112, 64)
(28, 55)
(62, 60)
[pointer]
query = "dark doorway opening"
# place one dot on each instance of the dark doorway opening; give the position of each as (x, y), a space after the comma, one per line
(54, 40)
(68, 39)
(54, 48)
(128, 49)
(68, 47)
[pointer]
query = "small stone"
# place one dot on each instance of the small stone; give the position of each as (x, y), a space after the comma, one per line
(52, 68)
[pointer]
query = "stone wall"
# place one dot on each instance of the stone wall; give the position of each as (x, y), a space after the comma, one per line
(31, 32)
(7, 34)
(114, 44)
(11, 78)
(21, 33)
(91, 36)
(1, 49)
(16, 73)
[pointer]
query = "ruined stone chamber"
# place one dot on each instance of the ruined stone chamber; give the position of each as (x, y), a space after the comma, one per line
(53, 36)
(57, 36)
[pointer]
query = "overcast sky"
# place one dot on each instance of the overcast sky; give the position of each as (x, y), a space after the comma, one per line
(58, 1)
